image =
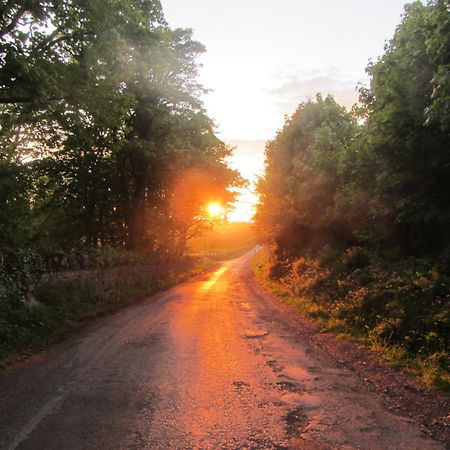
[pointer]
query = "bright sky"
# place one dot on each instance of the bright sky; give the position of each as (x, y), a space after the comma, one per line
(264, 57)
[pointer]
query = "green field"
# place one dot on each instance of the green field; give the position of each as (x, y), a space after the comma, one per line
(224, 241)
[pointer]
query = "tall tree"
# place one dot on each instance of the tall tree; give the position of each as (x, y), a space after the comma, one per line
(406, 136)
(297, 207)
(100, 100)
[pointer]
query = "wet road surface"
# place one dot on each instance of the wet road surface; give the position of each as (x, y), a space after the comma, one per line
(212, 363)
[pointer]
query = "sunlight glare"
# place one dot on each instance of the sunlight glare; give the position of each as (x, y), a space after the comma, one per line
(215, 210)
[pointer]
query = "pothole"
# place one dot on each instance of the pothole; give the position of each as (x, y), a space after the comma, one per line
(290, 387)
(241, 385)
(295, 421)
(272, 363)
(253, 334)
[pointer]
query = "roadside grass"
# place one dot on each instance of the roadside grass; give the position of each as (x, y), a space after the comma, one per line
(231, 253)
(333, 315)
(64, 305)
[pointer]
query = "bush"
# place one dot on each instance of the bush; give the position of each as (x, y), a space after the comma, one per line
(18, 270)
(355, 258)
(402, 309)
(278, 270)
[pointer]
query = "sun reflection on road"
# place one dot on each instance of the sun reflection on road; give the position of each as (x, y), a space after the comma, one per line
(214, 277)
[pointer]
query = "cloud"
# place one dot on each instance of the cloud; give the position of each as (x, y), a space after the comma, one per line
(297, 86)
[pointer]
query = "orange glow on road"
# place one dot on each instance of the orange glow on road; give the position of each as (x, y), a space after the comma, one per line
(207, 285)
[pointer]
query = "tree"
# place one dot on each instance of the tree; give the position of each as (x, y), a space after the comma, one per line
(406, 135)
(297, 195)
(100, 103)
(384, 184)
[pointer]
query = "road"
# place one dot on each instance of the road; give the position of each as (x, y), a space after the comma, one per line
(212, 363)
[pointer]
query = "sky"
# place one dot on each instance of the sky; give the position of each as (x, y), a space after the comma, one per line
(263, 58)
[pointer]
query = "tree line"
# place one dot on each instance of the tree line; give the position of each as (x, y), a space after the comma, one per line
(355, 205)
(377, 176)
(104, 140)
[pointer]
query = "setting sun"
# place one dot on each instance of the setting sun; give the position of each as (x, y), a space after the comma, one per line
(215, 210)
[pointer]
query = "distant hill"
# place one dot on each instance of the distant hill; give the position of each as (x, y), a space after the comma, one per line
(224, 241)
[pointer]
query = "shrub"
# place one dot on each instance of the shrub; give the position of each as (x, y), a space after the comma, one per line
(278, 270)
(355, 258)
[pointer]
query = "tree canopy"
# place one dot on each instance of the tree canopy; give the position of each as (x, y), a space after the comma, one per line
(378, 175)
(100, 118)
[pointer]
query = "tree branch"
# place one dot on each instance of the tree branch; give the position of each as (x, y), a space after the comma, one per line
(11, 100)
(15, 19)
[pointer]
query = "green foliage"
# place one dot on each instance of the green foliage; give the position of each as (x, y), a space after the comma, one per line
(358, 216)
(100, 110)
(18, 271)
(100, 123)
(297, 195)
(395, 308)
(383, 184)
(14, 210)
(63, 303)
(405, 139)
(355, 258)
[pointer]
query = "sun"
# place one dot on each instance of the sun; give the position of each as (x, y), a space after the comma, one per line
(215, 210)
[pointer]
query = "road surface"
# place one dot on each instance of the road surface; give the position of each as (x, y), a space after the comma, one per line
(212, 363)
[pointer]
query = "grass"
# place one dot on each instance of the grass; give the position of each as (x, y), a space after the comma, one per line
(224, 241)
(336, 312)
(64, 305)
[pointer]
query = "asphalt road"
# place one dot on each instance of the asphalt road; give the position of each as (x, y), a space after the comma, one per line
(212, 363)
